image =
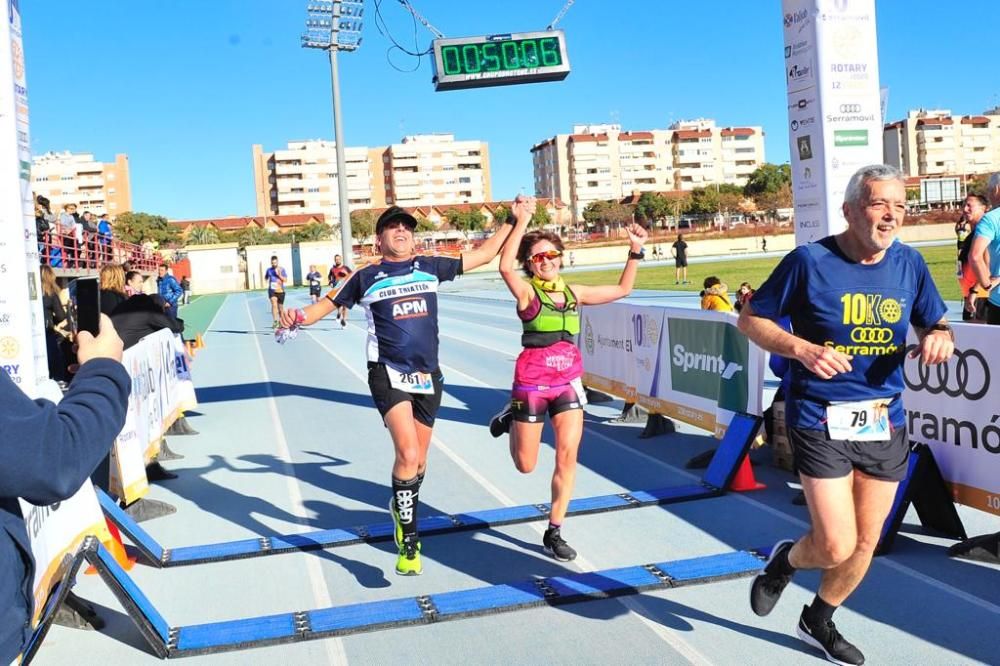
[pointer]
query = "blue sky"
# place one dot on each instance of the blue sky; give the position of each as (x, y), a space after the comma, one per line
(185, 87)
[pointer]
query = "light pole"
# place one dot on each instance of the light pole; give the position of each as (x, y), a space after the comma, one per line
(335, 25)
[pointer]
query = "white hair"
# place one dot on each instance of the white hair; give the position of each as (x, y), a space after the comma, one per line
(857, 187)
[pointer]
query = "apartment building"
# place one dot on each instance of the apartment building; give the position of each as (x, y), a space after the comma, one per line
(935, 142)
(77, 178)
(421, 170)
(302, 179)
(435, 169)
(601, 162)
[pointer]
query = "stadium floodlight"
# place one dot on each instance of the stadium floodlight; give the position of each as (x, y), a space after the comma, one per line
(335, 25)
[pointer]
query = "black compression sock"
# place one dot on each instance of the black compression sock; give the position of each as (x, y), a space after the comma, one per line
(405, 495)
(819, 611)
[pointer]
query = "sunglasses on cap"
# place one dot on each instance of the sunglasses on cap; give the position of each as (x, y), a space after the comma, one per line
(551, 255)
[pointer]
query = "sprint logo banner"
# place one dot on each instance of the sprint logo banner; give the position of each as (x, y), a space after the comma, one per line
(690, 365)
(955, 409)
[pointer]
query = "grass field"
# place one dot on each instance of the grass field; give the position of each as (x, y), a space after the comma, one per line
(940, 260)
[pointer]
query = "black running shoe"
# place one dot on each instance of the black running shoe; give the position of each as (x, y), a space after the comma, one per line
(767, 587)
(500, 423)
(824, 635)
(556, 546)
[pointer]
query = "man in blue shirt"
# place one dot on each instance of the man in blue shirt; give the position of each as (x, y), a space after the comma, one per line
(47, 451)
(169, 288)
(987, 241)
(399, 295)
(851, 298)
(275, 277)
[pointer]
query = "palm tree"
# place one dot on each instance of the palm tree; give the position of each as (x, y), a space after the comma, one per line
(202, 236)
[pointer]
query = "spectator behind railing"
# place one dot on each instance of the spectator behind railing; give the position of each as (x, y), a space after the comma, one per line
(133, 283)
(46, 453)
(72, 235)
(89, 225)
(104, 237)
(56, 324)
(45, 224)
(113, 291)
(168, 287)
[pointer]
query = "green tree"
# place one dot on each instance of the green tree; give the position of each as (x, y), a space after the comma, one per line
(704, 201)
(593, 213)
(501, 215)
(423, 225)
(651, 206)
(142, 227)
(767, 179)
(541, 216)
(362, 224)
(253, 235)
(465, 221)
(772, 201)
(202, 236)
(975, 185)
(611, 213)
(314, 231)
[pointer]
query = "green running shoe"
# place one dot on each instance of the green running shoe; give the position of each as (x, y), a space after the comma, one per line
(408, 563)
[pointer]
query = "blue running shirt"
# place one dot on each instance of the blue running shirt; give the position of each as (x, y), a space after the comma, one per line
(989, 228)
(400, 302)
(860, 309)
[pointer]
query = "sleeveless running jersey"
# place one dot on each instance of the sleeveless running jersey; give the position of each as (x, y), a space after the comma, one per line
(545, 323)
(400, 303)
(859, 309)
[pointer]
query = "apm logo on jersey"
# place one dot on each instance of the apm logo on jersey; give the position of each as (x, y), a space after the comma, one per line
(410, 307)
(709, 359)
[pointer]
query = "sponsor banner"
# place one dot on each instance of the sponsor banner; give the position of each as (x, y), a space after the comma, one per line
(161, 390)
(22, 331)
(691, 365)
(56, 531)
(955, 409)
(834, 111)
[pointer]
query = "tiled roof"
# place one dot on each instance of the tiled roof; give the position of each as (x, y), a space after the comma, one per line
(692, 134)
(737, 131)
(934, 121)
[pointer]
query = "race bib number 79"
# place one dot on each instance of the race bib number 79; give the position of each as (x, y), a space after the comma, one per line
(862, 421)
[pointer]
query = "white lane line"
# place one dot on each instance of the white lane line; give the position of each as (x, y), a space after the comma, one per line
(634, 605)
(321, 596)
(901, 568)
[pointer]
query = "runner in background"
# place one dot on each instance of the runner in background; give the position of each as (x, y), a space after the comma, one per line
(399, 295)
(339, 272)
(275, 277)
(547, 373)
(315, 281)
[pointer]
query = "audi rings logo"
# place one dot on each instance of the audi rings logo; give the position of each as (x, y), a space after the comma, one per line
(954, 378)
(850, 108)
(876, 336)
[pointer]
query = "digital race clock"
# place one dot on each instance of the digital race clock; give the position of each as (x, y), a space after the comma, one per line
(500, 60)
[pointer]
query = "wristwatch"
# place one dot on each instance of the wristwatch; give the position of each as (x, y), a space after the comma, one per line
(637, 255)
(943, 327)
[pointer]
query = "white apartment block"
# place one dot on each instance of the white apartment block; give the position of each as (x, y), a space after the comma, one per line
(934, 142)
(431, 169)
(77, 178)
(302, 179)
(435, 169)
(600, 162)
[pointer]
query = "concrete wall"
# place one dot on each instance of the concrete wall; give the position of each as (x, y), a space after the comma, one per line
(259, 260)
(215, 268)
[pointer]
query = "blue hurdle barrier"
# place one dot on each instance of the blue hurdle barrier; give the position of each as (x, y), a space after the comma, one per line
(742, 430)
(241, 634)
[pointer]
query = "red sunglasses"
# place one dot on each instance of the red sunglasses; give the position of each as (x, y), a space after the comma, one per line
(551, 255)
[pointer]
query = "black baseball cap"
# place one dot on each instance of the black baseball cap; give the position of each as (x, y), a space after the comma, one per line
(395, 213)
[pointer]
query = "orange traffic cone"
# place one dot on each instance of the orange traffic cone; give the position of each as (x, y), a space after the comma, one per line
(744, 480)
(116, 548)
(198, 341)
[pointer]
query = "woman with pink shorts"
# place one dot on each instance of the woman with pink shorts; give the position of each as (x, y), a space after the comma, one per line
(548, 371)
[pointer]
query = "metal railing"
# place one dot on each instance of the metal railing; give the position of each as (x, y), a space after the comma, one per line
(60, 248)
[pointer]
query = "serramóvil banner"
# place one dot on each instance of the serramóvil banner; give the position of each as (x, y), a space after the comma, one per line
(955, 409)
(691, 365)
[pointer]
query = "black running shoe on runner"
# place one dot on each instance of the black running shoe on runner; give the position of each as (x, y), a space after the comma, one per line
(500, 423)
(767, 587)
(556, 546)
(824, 635)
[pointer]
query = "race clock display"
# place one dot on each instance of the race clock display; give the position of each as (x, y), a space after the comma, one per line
(500, 60)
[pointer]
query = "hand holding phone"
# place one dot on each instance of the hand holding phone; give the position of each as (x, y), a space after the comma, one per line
(105, 345)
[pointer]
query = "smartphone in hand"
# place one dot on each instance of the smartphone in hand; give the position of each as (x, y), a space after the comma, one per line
(88, 305)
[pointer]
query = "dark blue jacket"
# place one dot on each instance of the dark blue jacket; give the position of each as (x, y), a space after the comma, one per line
(170, 289)
(47, 451)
